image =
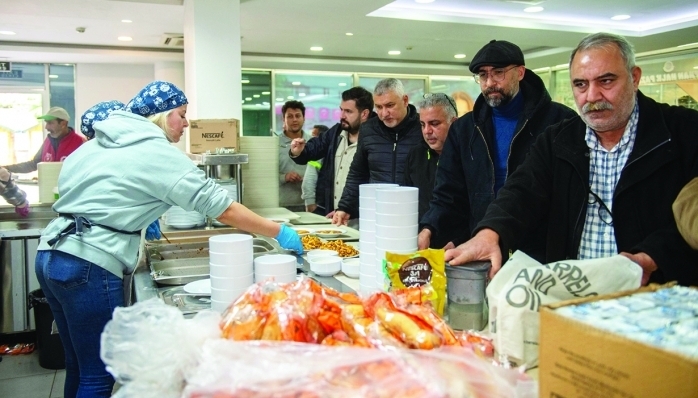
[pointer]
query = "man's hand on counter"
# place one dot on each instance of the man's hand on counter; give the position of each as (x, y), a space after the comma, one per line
(340, 218)
(484, 246)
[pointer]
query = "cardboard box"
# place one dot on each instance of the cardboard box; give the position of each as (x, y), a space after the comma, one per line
(209, 134)
(579, 360)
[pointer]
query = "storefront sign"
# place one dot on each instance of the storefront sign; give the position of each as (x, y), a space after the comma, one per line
(14, 74)
(5, 66)
(669, 77)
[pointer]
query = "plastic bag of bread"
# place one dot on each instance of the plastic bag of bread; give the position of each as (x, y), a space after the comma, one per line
(424, 269)
(278, 369)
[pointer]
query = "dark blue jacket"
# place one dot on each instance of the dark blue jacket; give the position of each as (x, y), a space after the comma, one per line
(465, 176)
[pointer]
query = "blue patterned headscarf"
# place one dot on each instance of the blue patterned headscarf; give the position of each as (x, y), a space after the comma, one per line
(97, 113)
(157, 97)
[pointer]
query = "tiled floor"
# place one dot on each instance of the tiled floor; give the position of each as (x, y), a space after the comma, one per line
(22, 377)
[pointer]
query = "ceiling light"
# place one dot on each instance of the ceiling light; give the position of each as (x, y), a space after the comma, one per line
(126, 21)
(256, 95)
(289, 97)
(7, 32)
(459, 56)
(279, 99)
(266, 92)
(424, 1)
(342, 84)
(243, 101)
(688, 45)
(301, 94)
(124, 38)
(316, 48)
(393, 52)
(53, 76)
(349, 34)
(296, 83)
(248, 98)
(621, 17)
(695, 67)
(265, 103)
(533, 9)
(244, 81)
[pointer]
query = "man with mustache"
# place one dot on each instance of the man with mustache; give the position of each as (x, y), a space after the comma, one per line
(602, 183)
(486, 145)
(335, 148)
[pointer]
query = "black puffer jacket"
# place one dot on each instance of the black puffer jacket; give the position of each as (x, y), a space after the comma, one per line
(465, 177)
(380, 156)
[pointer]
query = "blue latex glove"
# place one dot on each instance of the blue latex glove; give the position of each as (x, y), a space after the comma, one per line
(153, 231)
(289, 239)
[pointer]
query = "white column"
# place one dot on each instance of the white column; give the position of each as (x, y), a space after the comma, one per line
(212, 60)
(173, 72)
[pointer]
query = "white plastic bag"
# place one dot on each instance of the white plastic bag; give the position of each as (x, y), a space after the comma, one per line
(150, 347)
(523, 285)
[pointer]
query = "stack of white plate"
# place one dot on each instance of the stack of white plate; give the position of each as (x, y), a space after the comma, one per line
(277, 267)
(396, 225)
(368, 272)
(177, 217)
(232, 270)
(262, 171)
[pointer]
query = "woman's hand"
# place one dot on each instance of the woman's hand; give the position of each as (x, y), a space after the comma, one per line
(289, 239)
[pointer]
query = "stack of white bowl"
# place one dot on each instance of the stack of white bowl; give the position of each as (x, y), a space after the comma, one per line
(177, 217)
(232, 270)
(277, 267)
(367, 237)
(396, 225)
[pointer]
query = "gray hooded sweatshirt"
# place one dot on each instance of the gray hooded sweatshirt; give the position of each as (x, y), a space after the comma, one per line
(125, 178)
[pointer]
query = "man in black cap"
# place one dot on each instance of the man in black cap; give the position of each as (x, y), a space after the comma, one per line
(486, 145)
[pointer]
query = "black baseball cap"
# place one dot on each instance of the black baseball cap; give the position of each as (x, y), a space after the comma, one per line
(498, 54)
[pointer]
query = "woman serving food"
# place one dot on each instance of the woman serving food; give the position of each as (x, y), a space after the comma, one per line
(112, 187)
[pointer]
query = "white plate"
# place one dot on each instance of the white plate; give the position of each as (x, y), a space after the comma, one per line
(279, 220)
(329, 232)
(302, 231)
(202, 286)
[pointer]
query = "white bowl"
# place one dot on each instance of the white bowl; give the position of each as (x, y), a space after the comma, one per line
(231, 271)
(397, 220)
(230, 243)
(366, 203)
(351, 267)
(287, 278)
(276, 264)
(392, 245)
(367, 236)
(237, 257)
(311, 254)
(226, 295)
(326, 266)
(397, 195)
(369, 190)
(237, 283)
(403, 232)
(403, 209)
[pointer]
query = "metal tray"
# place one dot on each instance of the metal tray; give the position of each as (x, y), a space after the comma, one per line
(181, 263)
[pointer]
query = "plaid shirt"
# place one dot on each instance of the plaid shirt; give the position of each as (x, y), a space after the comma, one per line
(605, 167)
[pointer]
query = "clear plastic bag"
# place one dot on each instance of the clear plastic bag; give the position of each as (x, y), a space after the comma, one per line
(266, 369)
(150, 347)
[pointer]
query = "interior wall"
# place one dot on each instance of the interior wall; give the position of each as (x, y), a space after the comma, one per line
(102, 82)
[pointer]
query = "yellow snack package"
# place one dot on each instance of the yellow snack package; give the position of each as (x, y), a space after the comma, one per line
(425, 269)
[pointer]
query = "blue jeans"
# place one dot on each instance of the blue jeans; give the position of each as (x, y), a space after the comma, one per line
(82, 297)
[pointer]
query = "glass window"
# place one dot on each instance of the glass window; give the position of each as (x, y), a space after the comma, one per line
(673, 81)
(256, 103)
(61, 85)
(563, 89)
(464, 91)
(320, 93)
(414, 87)
(21, 134)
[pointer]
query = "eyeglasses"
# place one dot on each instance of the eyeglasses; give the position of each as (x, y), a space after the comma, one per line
(442, 95)
(496, 74)
(605, 213)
